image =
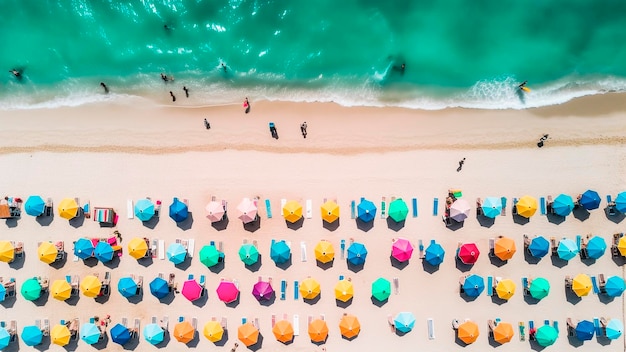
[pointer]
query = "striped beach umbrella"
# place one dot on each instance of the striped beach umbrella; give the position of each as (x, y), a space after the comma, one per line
(34, 206)
(590, 200)
(366, 210)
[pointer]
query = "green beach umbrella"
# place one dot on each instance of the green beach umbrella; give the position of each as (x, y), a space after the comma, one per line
(209, 255)
(539, 288)
(381, 289)
(398, 210)
(31, 289)
(546, 335)
(248, 254)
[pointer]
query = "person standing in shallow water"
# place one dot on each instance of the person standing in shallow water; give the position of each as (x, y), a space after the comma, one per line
(173, 96)
(186, 91)
(106, 89)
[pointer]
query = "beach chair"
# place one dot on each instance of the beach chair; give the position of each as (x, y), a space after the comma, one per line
(610, 205)
(503, 199)
(568, 281)
(596, 290)
(514, 209)
(546, 322)
(571, 327)
(435, 206)
(392, 326)
(296, 325)
(431, 328)
(342, 246)
(542, 205)
(309, 208)
(46, 327)
(352, 210)
(414, 207)
(555, 325)
(166, 323)
(579, 242)
(303, 251)
(283, 289)
(161, 250)
(601, 283)
(525, 286)
(522, 331)
(396, 285)
(490, 285)
(268, 208)
(224, 323)
(181, 319)
(531, 330)
(130, 209)
(296, 290)
(554, 245)
(190, 277)
(383, 208)
(421, 249)
(136, 328)
(273, 320)
(479, 207)
(492, 244)
(244, 320)
(191, 247)
(598, 328)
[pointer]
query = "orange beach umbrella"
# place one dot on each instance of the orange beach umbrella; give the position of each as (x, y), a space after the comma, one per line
(248, 334)
(184, 332)
(318, 330)
(504, 248)
(283, 331)
(468, 332)
(503, 333)
(349, 326)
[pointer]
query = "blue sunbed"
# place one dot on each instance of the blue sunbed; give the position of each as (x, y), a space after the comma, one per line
(341, 277)
(514, 209)
(342, 245)
(68, 278)
(546, 322)
(283, 289)
(542, 202)
(490, 285)
(435, 206)
(525, 285)
(555, 325)
(596, 290)
(190, 277)
(202, 280)
(414, 207)
(212, 243)
(268, 208)
(503, 199)
(296, 290)
(531, 324)
(579, 240)
(353, 210)
(181, 319)
(596, 324)
(244, 320)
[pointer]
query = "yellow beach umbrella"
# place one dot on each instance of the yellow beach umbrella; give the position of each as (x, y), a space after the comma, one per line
(60, 335)
(330, 211)
(582, 285)
(137, 247)
(90, 286)
(61, 290)
(526, 206)
(213, 331)
(344, 290)
(310, 288)
(47, 252)
(7, 251)
(283, 331)
(505, 289)
(184, 332)
(504, 248)
(318, 330)
(503, 333)
(292, 211)
(468, 332)
(248, 334)
(349, 326)
(68, 208)
(621, 246)
(324, 252)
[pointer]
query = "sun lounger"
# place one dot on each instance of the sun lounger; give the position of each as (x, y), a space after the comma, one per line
(352, 210)
(555, 325)
(161, 250)
(296, 290)
(296, 325)
(191, 247)
(130, 209)
(383, 208)
(268, 208)
(596, 325)
(46, 327)
(542, 205)
(181, 319)
(396, 285)
(514, 209)
(308, 208)
(601, 283)
(568, 281)
(522, 331)
(420, 246)
(414, 207)
(596, 290)
(435, 206)
(431, 328)
(283, 201)
(503, 206)
(342, 246)
(579, 240)
(525, 286)
(554, 245)
(492, 244)
(283, 289)
(490, 285)
(610, 205)
(531, 330)
(571, 327)
(303, 251)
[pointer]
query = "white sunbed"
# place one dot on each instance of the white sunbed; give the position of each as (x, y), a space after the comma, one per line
(282, 204)
(161, 249)
(296, 325)
(130, 209)
(309, 209)
(191, 246)
(431, 329)
(303, 251)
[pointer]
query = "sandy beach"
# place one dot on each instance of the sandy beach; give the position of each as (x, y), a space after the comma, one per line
(111, 153)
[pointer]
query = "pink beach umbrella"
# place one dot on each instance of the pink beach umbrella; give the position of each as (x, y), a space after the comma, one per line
(468, 253)
(402, 249)
(227, 291)
(215, 211)
(263, 291)
(192, 290)
(247, 210)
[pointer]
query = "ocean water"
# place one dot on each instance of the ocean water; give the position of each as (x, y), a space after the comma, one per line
(457, 52)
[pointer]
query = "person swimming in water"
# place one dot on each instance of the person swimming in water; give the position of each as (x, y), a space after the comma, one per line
(521, 86)
(16, 73)
(224, 67)
(164, 77)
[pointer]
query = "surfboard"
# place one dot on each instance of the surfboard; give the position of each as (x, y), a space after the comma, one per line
(525, 89)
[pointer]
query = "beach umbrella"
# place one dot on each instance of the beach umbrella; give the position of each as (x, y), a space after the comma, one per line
(120, 334)
(614, 329)
(127, 287)
(492, 207)
(563, 205)
(468, 332)
(34, 206)
(153, 333)
(349, 326)
(83, 248)
(191, 290)
(584, 330)
(280, 252)
(31, 289)
(31, 335)
(459, 210)
(68, 208)
(503, 333)
(137, 247)
(505, 289)
(47, 252)
(178, 210)
(89, 333)
(620, 202)
(214, 211)
(262, 290)
(468, 253)
(103, 252)
(504, 248)
(357, 253)
(292, 211)
(213, 331)
(324, 252)
(590, 200)
(184, 332)
(248, 254)
(567, 249)
(344, 290)
(366, 210)
(227, 291)
(144, 209)
(209, 255)
(3, 293)
(7, 251)
(404, 321)
(60, 335)
(434, 253)
(5, 338)
(176, 253)
(621, 246)
(330, 211)
(526, 206)
(581, 285)
(539, 288)
(318, 330)
(248, 334)
(398, 210)
(381, 289)
(159, 288)
(310, 288)
(91, 286)
(596, 247)
(61, 290)
(247, 210)
(402, 249)
(539, 247)
(614, 286)
(283, 331)
(474, 285)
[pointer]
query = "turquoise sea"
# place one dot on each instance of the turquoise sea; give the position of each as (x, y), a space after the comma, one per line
(456, 52)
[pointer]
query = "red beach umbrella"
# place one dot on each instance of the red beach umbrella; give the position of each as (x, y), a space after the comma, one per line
(227, 291)
(191, 290)
(468, 253)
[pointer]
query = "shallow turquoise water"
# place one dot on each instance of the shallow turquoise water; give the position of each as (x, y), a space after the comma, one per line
(457, 52)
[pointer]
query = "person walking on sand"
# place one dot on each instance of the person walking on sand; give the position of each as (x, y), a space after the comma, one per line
(207, 125)
(173, 96)
(246, 105)
(461, 162)
(186, 91)
(303, 129)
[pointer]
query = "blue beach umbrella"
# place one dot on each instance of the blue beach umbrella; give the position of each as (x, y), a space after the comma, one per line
(32, 335)
(176, 253)
(614, 329)
(590, 200)
(357, 253)
(144, 209)
(492, 207)
(620, 202)
(127, 287)
(83, 248)
(89, 333)
(178, 210)
(159, 288)
(434, 253)
(596, 247)
(567, 249)
(474, 285)
(34, 206)
(120, 334)
(103, 252)
(366, 210)
(539, 247)
(5, 338)
(614, 286)
(404, 322)
(584, 330)
(563, 205)
(153, 334)
(280, 252)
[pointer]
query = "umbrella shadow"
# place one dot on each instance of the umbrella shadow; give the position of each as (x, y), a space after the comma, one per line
(18, 262)
(43, 299)
(495, 261)
(165, 342)
(619, 260)
(113, 263)
(185, 263)
(462, 266)
(103, 299)
(349, 338)
(217, 268)
(168, 299)
(73, 300)
(234, 303)
(555, 219)
(136, 298)
(468, 298)
(90, 262)
(581, 213)
(459, 342)
(355, 268)
(401, 333)
(530, 300)
(286, 264)
(529, 258)
(497, 300)
(617, 217)
(131, 344)
(102, 342)
(145, 261)
(603, 340)
(485, 221)
(222, 224)
(364, 226)
(201, 302)
(194, 342)
(44, 345)
(44, 220)
(431, 269)
(78, 221)
(58, 264)
(558, 262)
(605, 299)
(492, 341)
(295, 225)
(256, 266)
(520, 220)
(331, 226)
(395, 225)
(9, 301)
(269, 301)
(312, 301)
(11, 223)
(378, 303)
(570, 296)
(224, 340)
(253, 226)
(151, 224)
(536, 346)
(258, 345)
(574, 341)
(73, 344)
(187, 223)
(319, 343)
(342, 304)
(398, 264)
(454, 225)
(325, 266)
(588, 261)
